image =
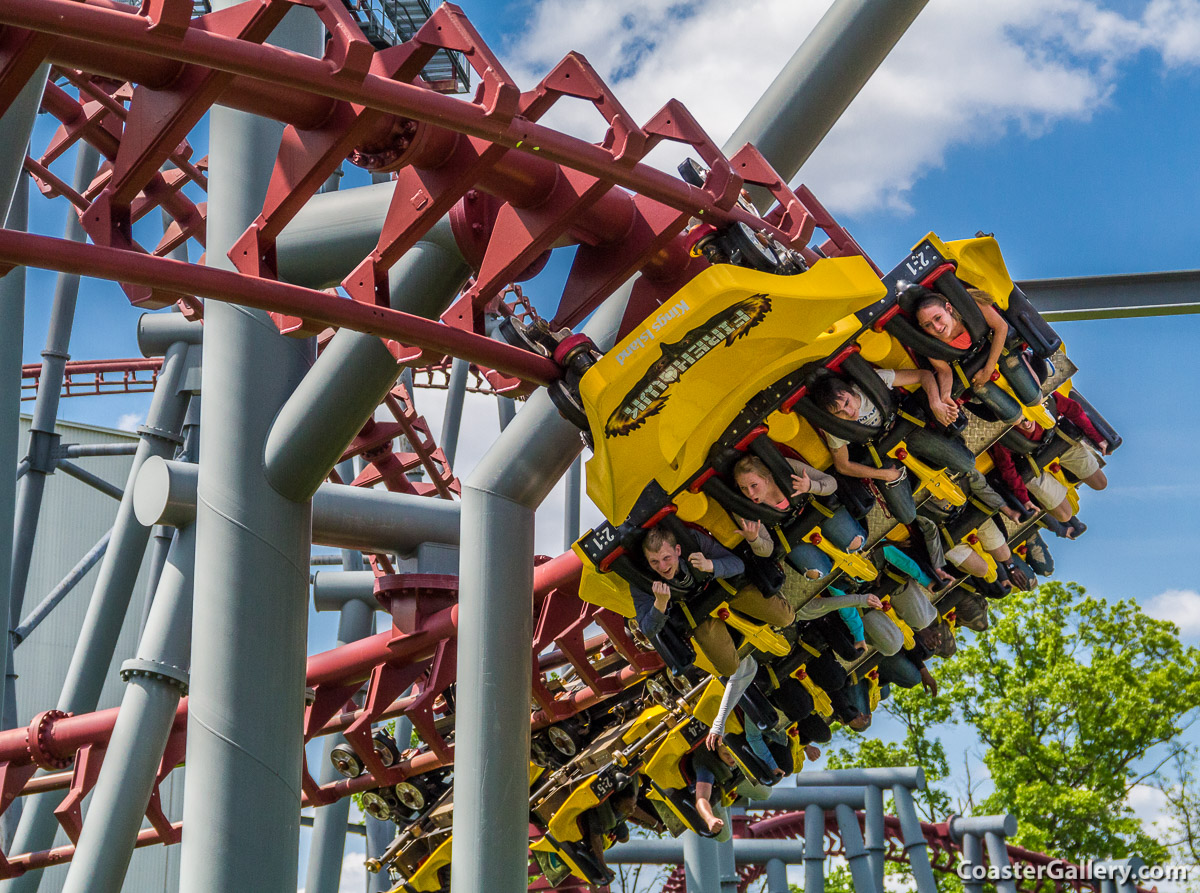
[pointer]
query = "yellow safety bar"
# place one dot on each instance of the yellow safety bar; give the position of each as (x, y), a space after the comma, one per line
(851, 562)
(425, 879)
(936, 481)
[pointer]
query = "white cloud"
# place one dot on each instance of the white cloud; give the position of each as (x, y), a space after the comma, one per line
(354, 872)
(964, 73)
(129, 421)
(1180, 606)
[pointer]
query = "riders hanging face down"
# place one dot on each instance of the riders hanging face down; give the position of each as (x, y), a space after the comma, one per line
(665, 557)
(608, 820)
(1026, 482)
(937, 317)
(758, 485)
(847, 401)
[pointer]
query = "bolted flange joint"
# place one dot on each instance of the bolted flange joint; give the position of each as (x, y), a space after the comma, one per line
(154, 669)
(37, 741)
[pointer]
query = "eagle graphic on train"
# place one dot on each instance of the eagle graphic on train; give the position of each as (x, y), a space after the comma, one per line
(649, 395)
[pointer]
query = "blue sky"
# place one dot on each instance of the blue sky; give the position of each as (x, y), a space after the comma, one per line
(1067, 127)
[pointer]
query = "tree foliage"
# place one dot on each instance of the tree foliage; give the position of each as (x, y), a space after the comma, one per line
(1068, 694)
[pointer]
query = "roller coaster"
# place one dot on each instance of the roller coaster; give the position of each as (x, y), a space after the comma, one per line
(552, 701)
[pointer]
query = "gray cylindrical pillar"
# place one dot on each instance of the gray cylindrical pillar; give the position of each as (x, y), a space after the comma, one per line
(806, 99)
(45, 407)
(814, 849)
(491, 847)
(856, 853)
(12, 334)
(245, 735)
(915, 845)
(701, 863)
(323, 414)
(997, 851)
(506, 409)
(972, 855)
(17, 126)
(379, 835)
(106, 611)
(873, 832)
(328, 840)
(727, 863)
(160, 545)
(452, 419)
(495, 670)
(777, 879)
(571, 520)
(155, 679)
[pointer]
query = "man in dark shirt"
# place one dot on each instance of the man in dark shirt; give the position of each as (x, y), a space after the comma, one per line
(664, 554)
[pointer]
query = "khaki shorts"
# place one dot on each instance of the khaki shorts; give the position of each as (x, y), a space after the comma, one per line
(1048, 490)
(1080, 461)
(959, 554)
(990, 535)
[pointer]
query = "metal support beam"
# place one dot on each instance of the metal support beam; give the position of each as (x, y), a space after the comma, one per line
(701, 863)
(915, 845)
(347, 517)
(452, 419)
(855, 851)
(818, 83)
(92, 480)
(12, 335)
(245, 738)
(873, 832)
(156, 679)
(62, 590)
(110, 597)
(814, 849)
(17, 127)
(777, 879)
(574, 495)
(673, 850)
(1115, 297)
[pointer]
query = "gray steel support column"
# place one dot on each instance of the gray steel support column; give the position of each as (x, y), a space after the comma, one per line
(806, 99)
(160, 544)
(1115, 297)
(814, 849)
(12, 335)
(727, 863)
(506, 409)
(670, 851)
(110, 598)
(45, 407)
(328, 842)
(245, 737)
(379, 835)
(92, 480)
(856, 853)
(701, 863)
(972, 855)
(495, 598)
(17, 127)
(777, 879)
(873, 832)
(155, 680)
(997, 852)
(915, 845)
(574, 495)
(452, 420)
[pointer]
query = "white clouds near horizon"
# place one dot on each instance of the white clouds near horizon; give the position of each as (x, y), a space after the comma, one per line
(964, 73)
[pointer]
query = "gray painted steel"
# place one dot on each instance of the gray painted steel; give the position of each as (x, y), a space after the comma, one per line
(701, 864)
(855, 851)
(452, 419)
(332, 590)
(574, 495)
(156, 332)
(777, 879)
(915, 845)
(92, 480)
(801, 797)
(107, 608)
(819, 82)
(339, 394)
(814, 849)
(155, 680)
(972, 855)
(62, 590)
(672, 851)
(346, 517)
(12, 334)
(90, 450)
(998, 855)
(45, 406)
(329, 824)
(912, 777)
(873, 832)
(17, 126)
(246, 708)
(1115, 297)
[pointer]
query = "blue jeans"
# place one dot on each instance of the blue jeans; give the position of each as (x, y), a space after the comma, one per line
(940, 452)
(1020, 379)
(840, 530)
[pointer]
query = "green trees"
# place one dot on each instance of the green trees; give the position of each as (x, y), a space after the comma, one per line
(1074, 701)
